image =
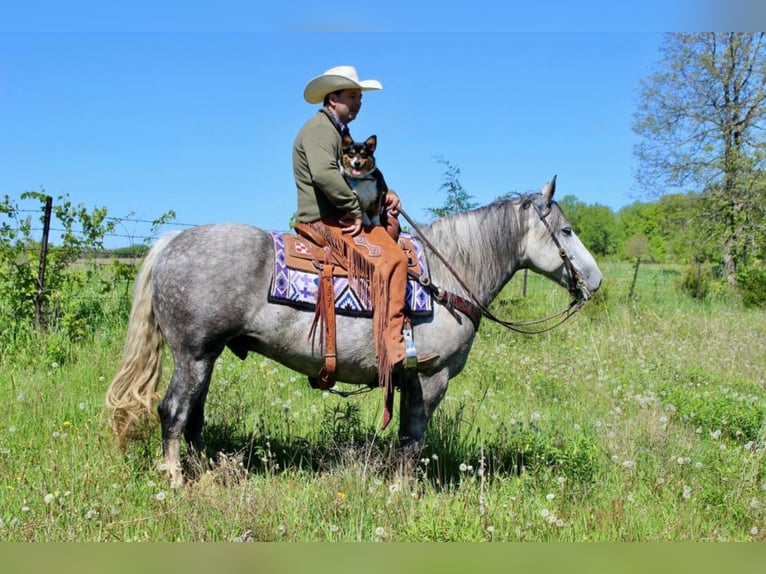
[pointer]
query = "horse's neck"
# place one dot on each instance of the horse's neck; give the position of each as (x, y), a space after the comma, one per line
(481, 246)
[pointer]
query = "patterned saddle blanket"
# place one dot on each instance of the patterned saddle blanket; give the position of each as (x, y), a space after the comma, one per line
(295, 280)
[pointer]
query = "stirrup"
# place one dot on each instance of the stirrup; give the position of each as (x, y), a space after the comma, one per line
(410, 352)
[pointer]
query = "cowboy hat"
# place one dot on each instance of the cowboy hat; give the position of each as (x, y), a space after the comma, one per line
(338, 78)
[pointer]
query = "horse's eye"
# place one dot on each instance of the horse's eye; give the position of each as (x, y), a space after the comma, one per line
(566, 231)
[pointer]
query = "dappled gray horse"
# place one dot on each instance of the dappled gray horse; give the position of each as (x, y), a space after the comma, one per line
(206, 288)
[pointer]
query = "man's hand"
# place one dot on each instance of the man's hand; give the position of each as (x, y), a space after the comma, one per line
(350, 224)
(393, 204)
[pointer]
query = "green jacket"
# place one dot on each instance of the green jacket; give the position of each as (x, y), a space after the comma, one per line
(322, 190)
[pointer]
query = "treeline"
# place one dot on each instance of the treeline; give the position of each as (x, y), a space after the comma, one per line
(673, 229)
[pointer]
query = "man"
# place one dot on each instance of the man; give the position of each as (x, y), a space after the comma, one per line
(329, 209)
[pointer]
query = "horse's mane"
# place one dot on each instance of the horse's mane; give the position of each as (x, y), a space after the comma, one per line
(478, 242)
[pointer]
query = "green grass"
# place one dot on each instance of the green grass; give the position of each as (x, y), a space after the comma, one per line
(636, 420)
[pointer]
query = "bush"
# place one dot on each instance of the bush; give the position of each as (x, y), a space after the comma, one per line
(752, 285)
(696, 281)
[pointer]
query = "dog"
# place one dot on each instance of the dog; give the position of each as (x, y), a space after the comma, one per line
(360, 171)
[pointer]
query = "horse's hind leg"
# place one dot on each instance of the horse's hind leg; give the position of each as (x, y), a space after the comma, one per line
(182, 410)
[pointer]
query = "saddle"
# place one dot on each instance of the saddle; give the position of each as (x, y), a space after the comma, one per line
(310, 276)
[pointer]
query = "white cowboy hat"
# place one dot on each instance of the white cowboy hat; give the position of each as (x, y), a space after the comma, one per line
(338, 78)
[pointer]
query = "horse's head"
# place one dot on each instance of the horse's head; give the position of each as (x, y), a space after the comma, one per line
(553, 248)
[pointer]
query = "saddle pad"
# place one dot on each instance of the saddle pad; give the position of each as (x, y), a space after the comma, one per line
(299, 287)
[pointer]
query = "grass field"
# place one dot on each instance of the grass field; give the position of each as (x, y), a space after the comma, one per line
(636, 420)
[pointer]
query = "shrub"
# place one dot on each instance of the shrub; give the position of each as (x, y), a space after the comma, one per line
(752, 285)
(696, 281)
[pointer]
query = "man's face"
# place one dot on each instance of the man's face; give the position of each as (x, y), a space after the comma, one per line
(347, 104)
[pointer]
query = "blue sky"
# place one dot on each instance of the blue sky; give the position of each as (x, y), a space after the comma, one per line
(143, 120)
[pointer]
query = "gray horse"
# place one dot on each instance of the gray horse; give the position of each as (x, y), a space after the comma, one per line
(205, 289)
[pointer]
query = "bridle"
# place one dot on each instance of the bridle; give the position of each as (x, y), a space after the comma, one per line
(574, 287)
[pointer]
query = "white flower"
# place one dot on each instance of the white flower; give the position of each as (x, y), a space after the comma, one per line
(160, 495)
(91, 514)
(628, 464)
(545, 513)
(687, 494)
(754, 503)
(550, 496)
(48, 498)
(716, 434)
(380, 532)
(754, 531)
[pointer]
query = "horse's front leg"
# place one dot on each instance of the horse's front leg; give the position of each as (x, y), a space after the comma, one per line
(420, 395)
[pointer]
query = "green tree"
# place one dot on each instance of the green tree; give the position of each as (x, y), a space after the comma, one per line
(700, 118)
(596, 224)
(458, 199)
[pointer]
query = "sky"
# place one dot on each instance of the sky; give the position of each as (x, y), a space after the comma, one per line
(198, 116)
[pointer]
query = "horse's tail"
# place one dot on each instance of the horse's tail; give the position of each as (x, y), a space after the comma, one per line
(133, 393)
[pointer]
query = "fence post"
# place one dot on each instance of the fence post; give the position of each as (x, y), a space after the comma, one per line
(43, 258)
(524, 283)
(635, 276)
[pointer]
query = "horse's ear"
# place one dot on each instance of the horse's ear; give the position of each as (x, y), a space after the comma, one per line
(548, 190)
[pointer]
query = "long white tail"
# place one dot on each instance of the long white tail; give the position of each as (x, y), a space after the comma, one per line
(132, 395)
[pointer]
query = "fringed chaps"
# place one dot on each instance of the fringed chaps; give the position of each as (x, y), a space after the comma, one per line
(377, 271)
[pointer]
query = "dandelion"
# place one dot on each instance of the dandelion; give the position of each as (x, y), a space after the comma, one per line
(66, 424)
(753, 531)
(687, 494)
(334, 528)
(281, 529)
(559, 523)
(54, 365)
(11, 429)
(628, 464)
(716, 434)
(48, 498)
(550, 496)
(490, 529)
(463, 467)
(561, 479)
(545, 513)
(160, 496)
(380, 533)
(755, 503)
(81, 406)
(340, 495)
(91, 514)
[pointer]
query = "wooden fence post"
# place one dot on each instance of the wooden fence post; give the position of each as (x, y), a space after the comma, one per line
(635, 277)
(43, 258)
(524, 283)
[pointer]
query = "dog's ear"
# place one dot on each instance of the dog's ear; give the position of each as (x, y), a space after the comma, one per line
(347, 140)
(371, 143)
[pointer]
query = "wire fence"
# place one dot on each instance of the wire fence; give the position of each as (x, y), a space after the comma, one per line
(625, 279)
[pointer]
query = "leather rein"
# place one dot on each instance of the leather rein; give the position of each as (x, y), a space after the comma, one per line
(481, 310)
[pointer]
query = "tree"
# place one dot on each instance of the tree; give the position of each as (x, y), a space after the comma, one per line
(701, 119)
(596, 224)
(458, 199)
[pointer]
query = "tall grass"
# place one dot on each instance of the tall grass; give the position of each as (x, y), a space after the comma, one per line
(636, 420)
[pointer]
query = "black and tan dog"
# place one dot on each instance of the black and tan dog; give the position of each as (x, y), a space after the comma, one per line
(361, 173)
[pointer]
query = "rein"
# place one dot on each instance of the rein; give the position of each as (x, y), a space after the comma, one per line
(516, 326)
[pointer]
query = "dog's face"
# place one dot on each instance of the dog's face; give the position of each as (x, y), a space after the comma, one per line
(358, 157)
